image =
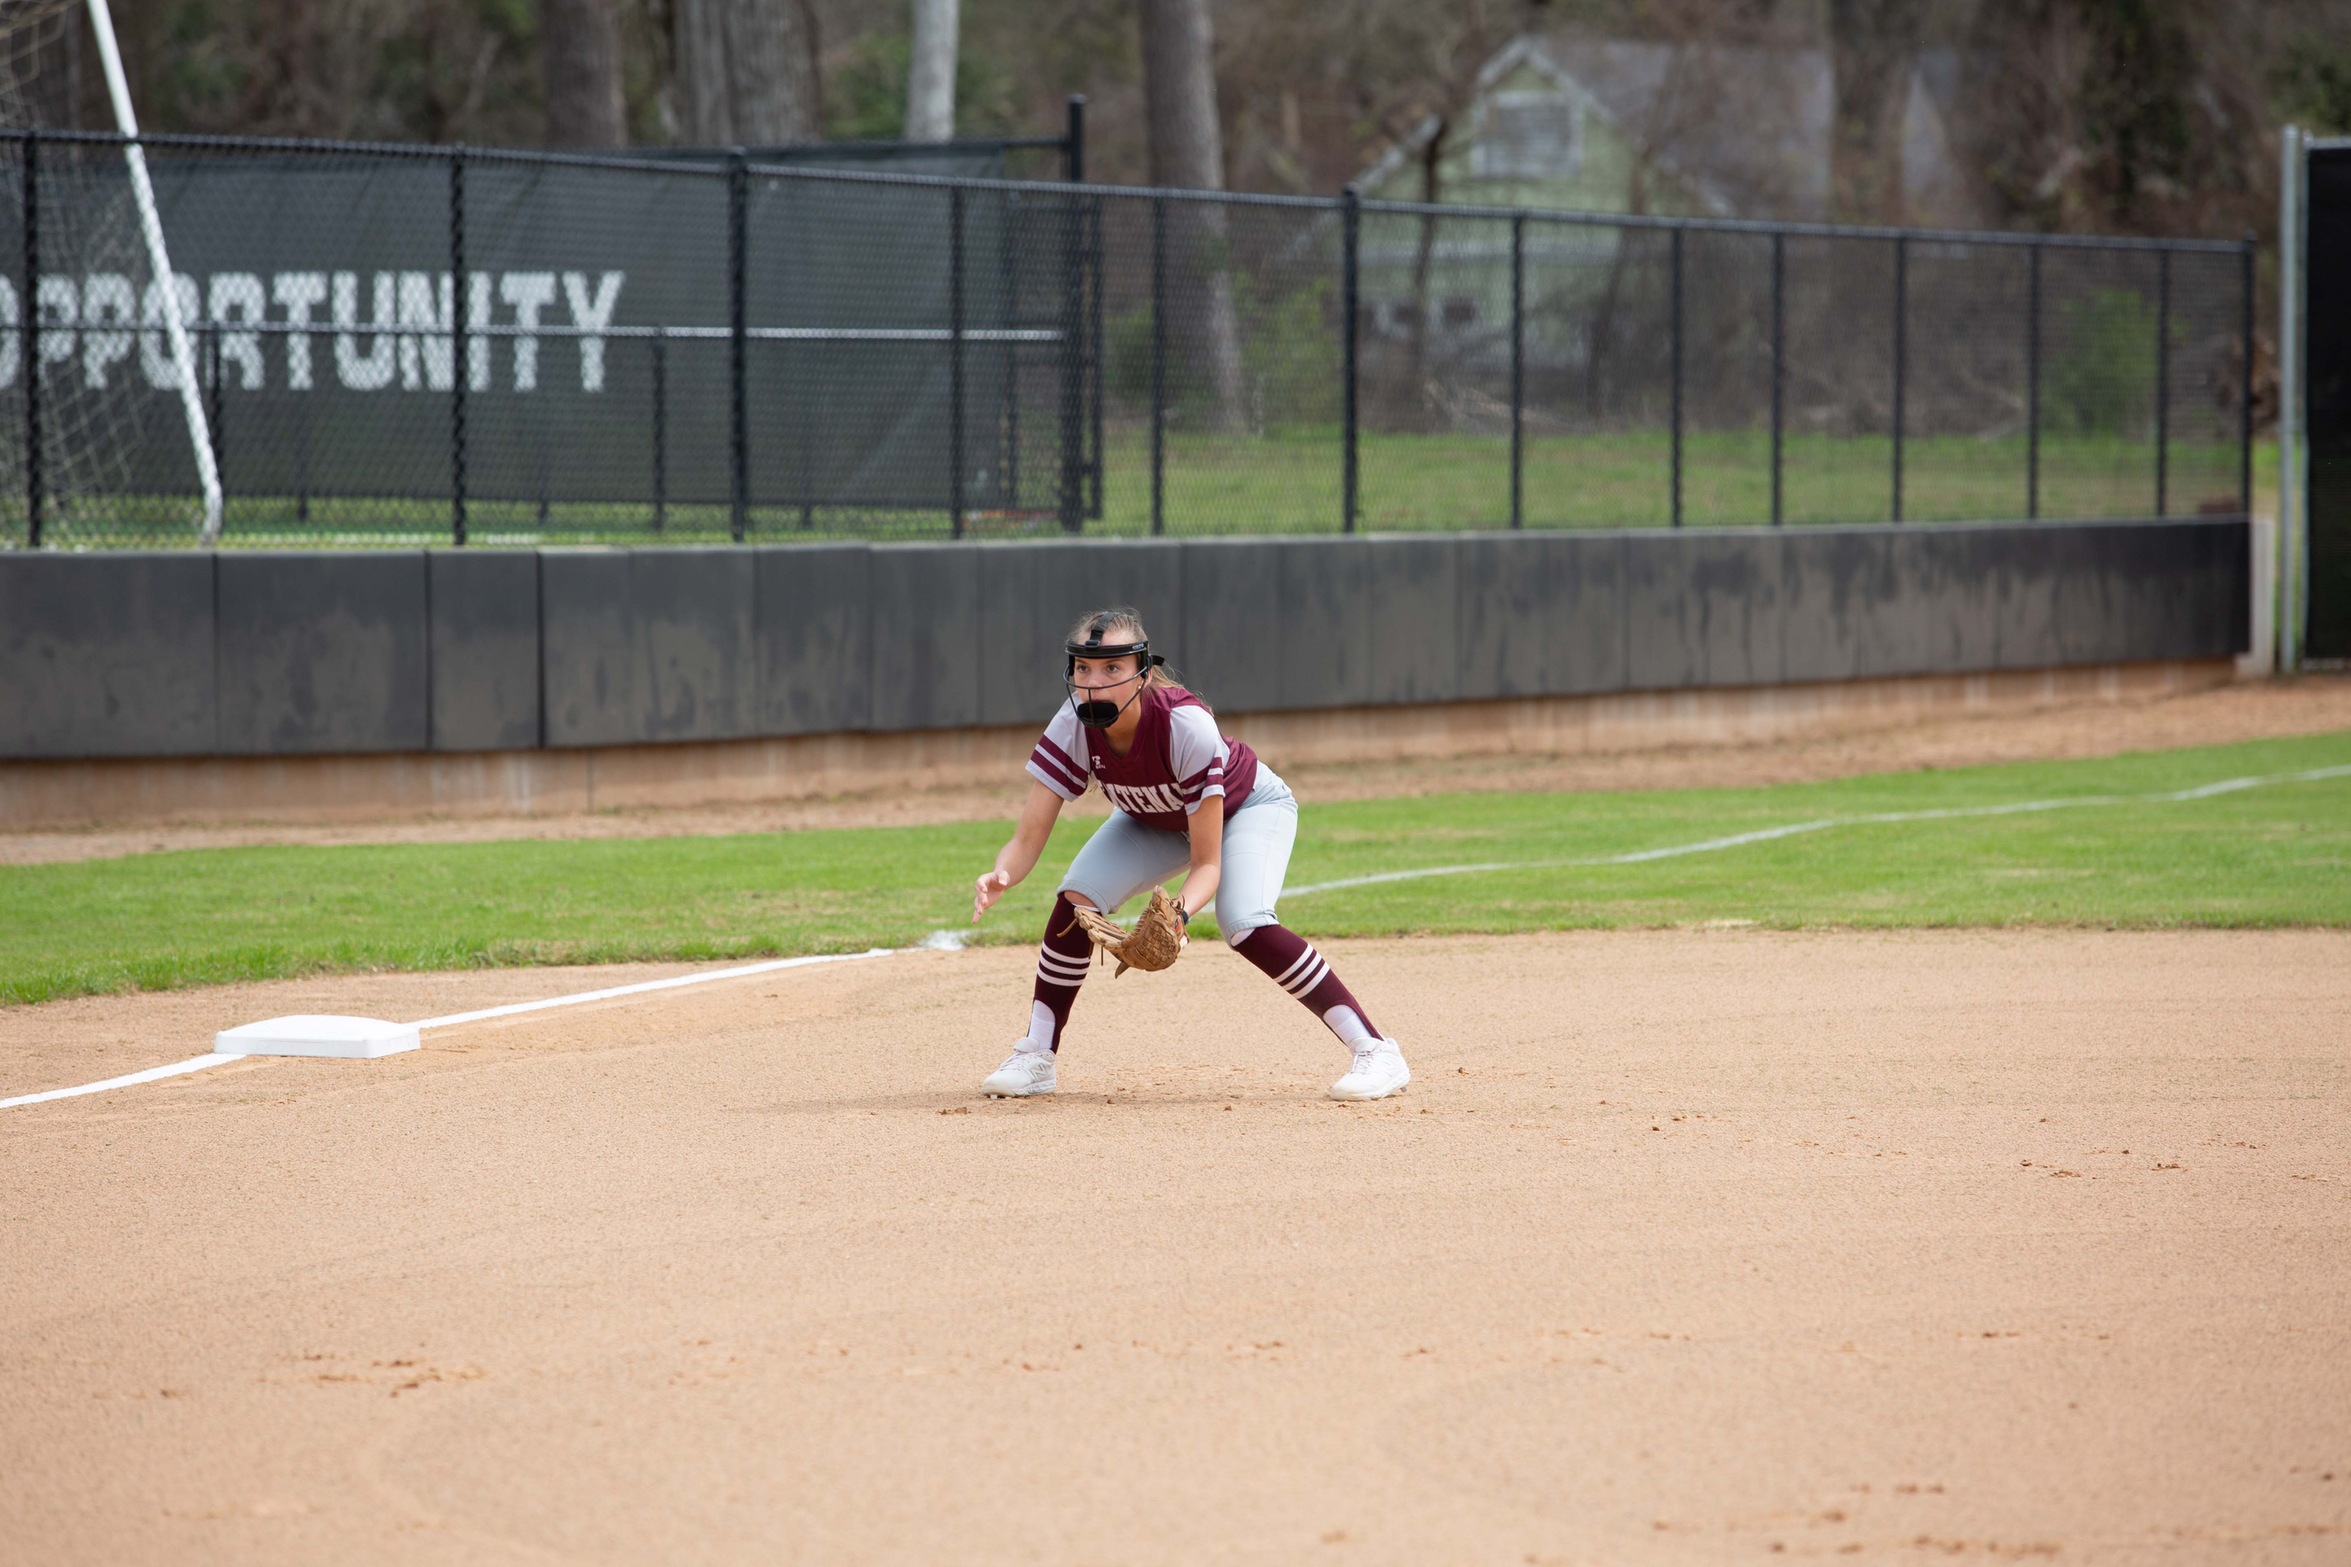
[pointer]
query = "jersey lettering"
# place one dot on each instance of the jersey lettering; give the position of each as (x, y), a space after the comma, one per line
(1176, 764)
(1144, 801)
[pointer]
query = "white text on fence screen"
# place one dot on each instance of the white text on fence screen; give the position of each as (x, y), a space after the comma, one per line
(404, 340)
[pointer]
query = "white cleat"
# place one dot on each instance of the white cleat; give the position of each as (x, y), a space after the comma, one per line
(1023, 1073)
(1379, 1071)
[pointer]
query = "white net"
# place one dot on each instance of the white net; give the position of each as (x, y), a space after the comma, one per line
(95, 397)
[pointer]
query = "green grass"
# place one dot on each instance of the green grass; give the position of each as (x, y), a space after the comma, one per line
(2273, 856)
(1288, 481)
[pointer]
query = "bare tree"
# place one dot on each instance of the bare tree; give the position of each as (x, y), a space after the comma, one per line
(1872, 44)
(579, 44)
(745, 72)
(930, 71)
(1187, 151)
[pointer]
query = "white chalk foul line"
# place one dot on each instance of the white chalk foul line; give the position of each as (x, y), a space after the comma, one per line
(1823, 824)
(451, 1020)
(646, 987)
(152, 1074)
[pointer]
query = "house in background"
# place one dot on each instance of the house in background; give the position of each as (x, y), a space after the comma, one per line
(1604, 126)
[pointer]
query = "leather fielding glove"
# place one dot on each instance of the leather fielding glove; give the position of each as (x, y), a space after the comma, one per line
(1154, 943)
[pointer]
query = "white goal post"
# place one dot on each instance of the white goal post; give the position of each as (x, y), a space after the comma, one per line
(159, 260)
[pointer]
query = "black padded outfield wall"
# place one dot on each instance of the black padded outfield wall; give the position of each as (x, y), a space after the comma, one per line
(2328, 357)
(178, 654)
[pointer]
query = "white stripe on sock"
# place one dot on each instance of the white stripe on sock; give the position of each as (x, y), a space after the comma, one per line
(1303, 958)
(1311, 978)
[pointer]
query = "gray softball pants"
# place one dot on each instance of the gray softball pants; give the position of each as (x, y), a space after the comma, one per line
(1125, 858)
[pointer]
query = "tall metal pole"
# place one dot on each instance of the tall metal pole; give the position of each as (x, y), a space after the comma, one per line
(1073, 150)
(1779, 370)
(1674, 349)
(214, 423)
(2032, 383)
(29, 324)
(1350, 239)
(1901, 357)
(955, 361)
(1159, 364)
(1518, 368)
(2162, 378)
(739, 342)
(2289, 528)
(175, 329)
(460, 354)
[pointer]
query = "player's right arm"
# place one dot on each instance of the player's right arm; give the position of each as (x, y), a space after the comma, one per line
(1018, 857)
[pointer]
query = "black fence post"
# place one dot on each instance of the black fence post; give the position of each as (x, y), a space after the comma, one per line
(955, 506)
(1073, 149)
(1158, 364)
(1901, 356)
(1779, 374)
(460, 370)
(1092, 359)
(1518, 368)
(738, 343)
(1073, 390)
(1350, 238)
(1674, 350)
(804, 385)
(2032, 395)
(2245, 264)
(31, 320)
(2162, 380)
(660, 345)
(1008, 312)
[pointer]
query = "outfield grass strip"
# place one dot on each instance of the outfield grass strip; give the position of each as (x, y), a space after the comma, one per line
(1822, 824)
(1994, 847)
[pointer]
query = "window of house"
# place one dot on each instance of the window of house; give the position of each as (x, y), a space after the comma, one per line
(1528, 135)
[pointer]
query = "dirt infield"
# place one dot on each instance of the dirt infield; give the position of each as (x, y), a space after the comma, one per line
(1684, 1247)
(2079, 728)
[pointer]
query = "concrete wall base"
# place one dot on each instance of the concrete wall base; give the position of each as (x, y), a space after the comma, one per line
(54, 795)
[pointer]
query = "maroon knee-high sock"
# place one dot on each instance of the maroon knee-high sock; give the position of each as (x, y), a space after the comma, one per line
(1062, 959)
(1291, 962)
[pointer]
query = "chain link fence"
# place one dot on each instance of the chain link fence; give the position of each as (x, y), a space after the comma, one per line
(435, 345)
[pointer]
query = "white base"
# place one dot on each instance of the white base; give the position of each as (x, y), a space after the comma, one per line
(357, 1038)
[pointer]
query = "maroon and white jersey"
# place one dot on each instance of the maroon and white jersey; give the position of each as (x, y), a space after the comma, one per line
(1177, 761)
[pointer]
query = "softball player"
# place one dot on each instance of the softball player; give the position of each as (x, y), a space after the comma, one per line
(1187, 799)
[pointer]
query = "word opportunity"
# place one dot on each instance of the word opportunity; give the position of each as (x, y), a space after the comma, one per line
(98, 322)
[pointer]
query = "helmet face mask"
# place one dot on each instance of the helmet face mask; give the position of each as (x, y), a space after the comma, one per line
(1096, 712)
